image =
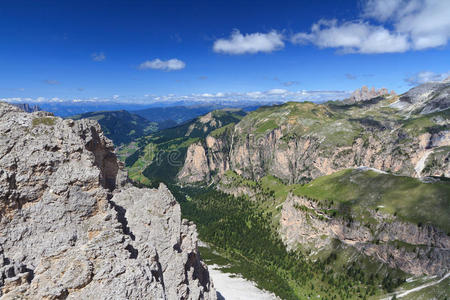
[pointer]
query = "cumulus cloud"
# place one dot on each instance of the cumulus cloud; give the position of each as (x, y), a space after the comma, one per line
(426, 76)
(98, 56)
(165, 65)
(353, 37)
(239, 43)
(402, 25)
(277, 91)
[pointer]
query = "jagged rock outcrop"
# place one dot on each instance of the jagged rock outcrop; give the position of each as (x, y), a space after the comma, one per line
(27, 107)
(71, 226)
(414, 249)
(364, 94)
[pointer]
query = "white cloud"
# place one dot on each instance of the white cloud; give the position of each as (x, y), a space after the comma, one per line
(166, 65)
(238, 43)
(382, 10)
(98, 56)
(428, 25)
(403, 25)
(426, 76)
(353, 37)
(226, 98)
(115, 97)
(277, 91)
(256, 94)
(207, 95)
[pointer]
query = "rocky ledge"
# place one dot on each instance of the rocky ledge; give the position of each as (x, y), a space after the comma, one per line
(73, 228)
(402, 245)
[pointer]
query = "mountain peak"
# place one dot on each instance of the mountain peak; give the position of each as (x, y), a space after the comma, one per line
(364, 93)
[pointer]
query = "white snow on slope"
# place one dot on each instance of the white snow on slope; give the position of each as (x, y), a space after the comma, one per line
(236, 288)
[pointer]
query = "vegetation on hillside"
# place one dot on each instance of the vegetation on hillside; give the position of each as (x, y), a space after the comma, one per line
(160, 156)
(242, 232)
(408, 198)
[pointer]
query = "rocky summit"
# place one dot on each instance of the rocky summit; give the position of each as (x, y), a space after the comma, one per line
(73, 228)
(364, 94)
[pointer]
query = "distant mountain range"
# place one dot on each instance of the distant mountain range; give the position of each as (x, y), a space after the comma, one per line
(169, 115)
(194, 109)
(120, 126)
(123, 127)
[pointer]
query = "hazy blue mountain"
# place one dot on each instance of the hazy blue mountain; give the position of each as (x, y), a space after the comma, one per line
(120, 126)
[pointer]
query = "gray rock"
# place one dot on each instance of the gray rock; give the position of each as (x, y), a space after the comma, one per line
(73, 228)
(426, 98)
(427, 250)
(364, 94)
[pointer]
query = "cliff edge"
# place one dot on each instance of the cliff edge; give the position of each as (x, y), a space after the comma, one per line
(73, 228)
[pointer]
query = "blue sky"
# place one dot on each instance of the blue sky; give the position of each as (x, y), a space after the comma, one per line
(168, 50)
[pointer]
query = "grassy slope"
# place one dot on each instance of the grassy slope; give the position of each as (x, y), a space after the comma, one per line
(337, 124)
(408, 198)
(161, 155)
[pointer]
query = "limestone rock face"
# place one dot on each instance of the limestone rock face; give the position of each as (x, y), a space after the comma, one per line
(256, 156)
(72, 228)
(196, 166)
(427, 252)
(426, 98)
(365, 93)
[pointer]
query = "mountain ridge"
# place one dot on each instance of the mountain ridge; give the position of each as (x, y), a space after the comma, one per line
(73, 227)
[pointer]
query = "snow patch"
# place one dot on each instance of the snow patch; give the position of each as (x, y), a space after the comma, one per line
(234, 287)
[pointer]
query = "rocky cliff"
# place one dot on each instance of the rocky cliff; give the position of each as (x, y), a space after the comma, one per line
(27, 107)
(72, 228)
(297, 142)
(426, 98)
(402, 245)
(365, 93)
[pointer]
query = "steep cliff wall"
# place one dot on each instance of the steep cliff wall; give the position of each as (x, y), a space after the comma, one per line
(72, 228)
(305, 157)
(414, 249)
(298, 142)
